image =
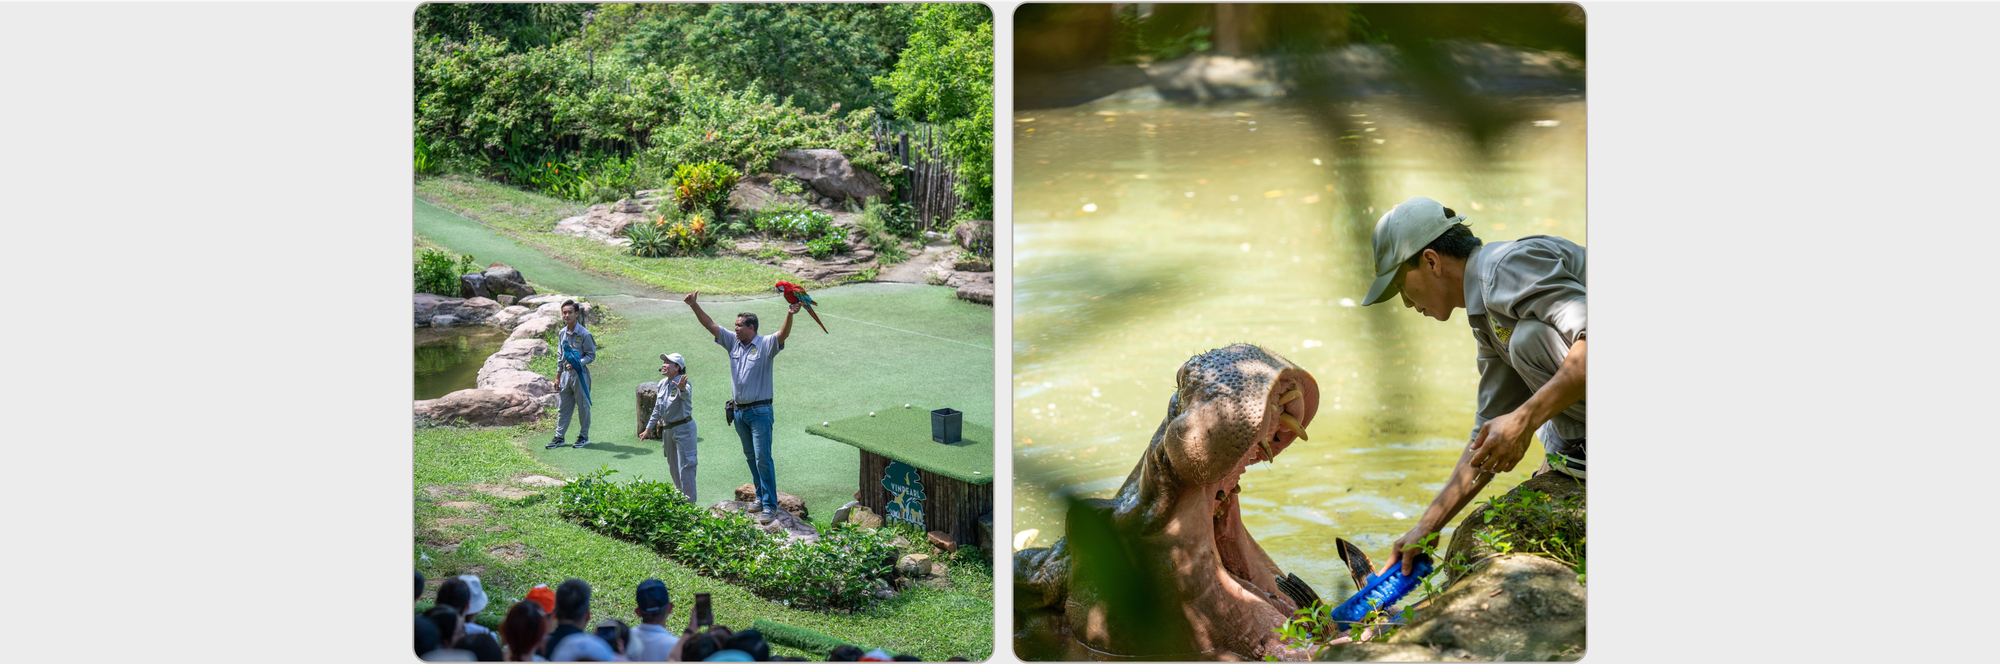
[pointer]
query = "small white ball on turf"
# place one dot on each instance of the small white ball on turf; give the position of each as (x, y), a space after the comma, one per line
(826, 424)
(906, 405)
(871, 414)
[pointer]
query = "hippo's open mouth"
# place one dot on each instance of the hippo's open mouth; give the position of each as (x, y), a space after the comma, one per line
(1288, 407)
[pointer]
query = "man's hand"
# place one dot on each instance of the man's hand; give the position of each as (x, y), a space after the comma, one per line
(795, 308)
(1501, 443)
(1405, 549)
(690, 298)
(648, 433)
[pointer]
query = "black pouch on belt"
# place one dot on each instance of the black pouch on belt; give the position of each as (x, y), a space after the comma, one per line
(729, 412)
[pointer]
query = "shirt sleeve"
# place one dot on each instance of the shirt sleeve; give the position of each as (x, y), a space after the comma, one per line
(660, 401)
(589, 345)
(1542, 280)
(771, 345)
(1501, 390)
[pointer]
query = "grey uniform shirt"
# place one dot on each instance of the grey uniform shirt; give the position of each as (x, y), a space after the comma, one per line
(1538, 278)
(581, 341)
(749, 364)
(672, 404)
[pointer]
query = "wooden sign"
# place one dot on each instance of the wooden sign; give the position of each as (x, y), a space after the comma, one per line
(906, 492)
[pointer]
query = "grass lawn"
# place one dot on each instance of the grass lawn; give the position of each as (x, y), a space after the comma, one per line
(529, 220)
(466, 524)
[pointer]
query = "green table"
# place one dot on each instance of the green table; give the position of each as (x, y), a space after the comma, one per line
(942, 487)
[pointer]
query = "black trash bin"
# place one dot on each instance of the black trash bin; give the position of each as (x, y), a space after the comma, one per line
(945, 425)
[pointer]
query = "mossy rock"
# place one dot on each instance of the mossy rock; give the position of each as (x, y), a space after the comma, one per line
(1549, 506)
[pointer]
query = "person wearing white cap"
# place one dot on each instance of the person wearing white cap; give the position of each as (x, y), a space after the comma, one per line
(673, 418)
(1525, 302)
(474, 603)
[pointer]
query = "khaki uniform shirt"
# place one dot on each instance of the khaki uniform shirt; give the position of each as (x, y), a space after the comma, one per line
(1537, 279)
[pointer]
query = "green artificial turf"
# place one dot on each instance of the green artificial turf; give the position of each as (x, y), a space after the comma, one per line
(468, 523)
(904, 434)
(889, 344)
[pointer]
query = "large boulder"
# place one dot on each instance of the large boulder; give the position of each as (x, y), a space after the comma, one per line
(755, 193)
(533, 326)
(1510, 607)
(829, 173)
(509, 316)
(607, 222)
(501, 279)
(786, 501)
(484, 407)
(974, 235)
(972, 286)
(476, 310)
(429, 306)
(473, 285)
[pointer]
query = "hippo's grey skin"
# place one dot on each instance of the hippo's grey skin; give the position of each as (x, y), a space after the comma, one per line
(1216, 593)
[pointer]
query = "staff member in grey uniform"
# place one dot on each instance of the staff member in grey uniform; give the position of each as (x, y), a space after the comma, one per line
(1525, 302)
(750, 382)
(673, 417)
(571, 388)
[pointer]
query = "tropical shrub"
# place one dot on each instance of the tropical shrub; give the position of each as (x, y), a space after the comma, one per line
(813, 55)
(704, 186)
(827, 245)
(648, 240)
(786, 184)
(437, 272)
(836, 572)
(794, 221)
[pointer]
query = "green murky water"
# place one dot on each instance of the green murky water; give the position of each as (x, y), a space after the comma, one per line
(1143, 236)
(449, 360)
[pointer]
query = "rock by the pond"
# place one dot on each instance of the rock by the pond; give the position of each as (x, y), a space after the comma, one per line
(430, 306)
(484, 407)
(973, 286)
(504, 299)
(942, 540)
(1384, 652)
(533, 326)
(915, 565)
(510, 315)
(1509, 607)
(472, 285)
(786, 501)
(507, 369)
(443, 321)
(972, 265)
(829, 173)
(502, 279)
(476, 310)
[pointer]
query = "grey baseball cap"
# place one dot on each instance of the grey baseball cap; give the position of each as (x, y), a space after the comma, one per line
(676, 359)
(1401, 233)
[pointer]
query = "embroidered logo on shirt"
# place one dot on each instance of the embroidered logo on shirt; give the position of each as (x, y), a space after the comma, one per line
(1503, 333)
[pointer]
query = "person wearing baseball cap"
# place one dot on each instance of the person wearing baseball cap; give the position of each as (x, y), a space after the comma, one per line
(651, 640)
(1525, 302)
(673, 421)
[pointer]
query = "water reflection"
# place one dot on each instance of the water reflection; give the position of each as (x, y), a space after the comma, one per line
(449, 360)
(1145, 235)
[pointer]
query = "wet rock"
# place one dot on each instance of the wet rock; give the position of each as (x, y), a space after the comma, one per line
(484, 407)
(443, 321)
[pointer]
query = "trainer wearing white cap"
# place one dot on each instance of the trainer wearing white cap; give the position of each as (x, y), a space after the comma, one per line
(673, 418)
(1525, 301)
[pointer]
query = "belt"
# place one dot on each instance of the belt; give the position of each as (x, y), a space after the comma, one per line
(753, 404)
(679, 422)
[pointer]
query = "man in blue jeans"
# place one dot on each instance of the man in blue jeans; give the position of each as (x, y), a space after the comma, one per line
(750, 381)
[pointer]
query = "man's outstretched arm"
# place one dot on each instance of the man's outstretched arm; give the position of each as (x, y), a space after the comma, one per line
(701, 316)
(786, 331)
(1504, 440)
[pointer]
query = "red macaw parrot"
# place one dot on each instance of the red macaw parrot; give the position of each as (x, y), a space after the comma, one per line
(795, 294)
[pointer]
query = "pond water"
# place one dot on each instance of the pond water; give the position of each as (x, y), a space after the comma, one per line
(448, 360)
(1146, 235)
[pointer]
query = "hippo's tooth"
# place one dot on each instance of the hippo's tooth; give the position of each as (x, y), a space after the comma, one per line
(1292, 423)
(1266, 445)
(1290, 396)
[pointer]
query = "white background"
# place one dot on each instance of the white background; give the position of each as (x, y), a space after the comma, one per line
(207, 219)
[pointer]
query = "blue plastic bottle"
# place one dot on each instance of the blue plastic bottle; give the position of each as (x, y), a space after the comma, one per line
(1383, 590)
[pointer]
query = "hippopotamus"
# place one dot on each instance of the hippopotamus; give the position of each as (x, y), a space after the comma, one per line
(1209, 591)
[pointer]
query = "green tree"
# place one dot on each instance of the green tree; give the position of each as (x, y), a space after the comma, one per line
(521, 25)
(814, 54)
(945, 77)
